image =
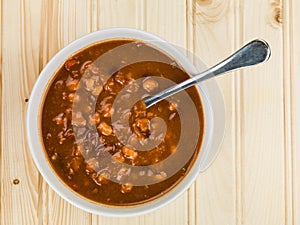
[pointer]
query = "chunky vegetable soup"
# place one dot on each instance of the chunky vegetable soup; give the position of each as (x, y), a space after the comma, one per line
(101, 140)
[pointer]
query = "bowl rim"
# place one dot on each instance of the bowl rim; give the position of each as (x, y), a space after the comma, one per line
(36, 145)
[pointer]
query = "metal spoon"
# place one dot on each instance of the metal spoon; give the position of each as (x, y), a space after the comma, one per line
(255, 52)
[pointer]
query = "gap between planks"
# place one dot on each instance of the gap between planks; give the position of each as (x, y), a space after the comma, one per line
(1, 32)
(286, 9)
(238, 116)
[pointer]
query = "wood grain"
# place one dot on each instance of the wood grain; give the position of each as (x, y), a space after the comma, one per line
(71, 19)
(263, 121)
(19, 52)
(120, 13)
(172, 27)
(255, 178)
(293, 51)
(214, 40)
(287, 91)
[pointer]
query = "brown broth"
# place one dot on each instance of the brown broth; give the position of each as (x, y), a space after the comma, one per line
(79, 162)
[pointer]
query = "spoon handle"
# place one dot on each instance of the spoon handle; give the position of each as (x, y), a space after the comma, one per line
(255, 52)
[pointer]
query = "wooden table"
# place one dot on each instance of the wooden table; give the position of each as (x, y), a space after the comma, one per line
(256, 177)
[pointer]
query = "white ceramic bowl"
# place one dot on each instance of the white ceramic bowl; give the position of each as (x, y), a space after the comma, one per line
(36, 143)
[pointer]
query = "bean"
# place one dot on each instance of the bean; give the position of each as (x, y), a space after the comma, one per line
(94, 119)
(173, 106)
(89, 169)
(94, 69)
(149, 84)
(92, 164)
(105, 129)
(118, 156)
(155, 124)
(133, 140)
(76, 98)
(64, 95)
(71, 97)
(48, 136)
(77, 150)
(155, 160)
(102, 178)
(162, 175)
(68, 112)
(109, 86)
(150, 114)
(142, 173)
(173, 148)
(129, 152)
(71, 171)
(78, 119)
(133, 87)
(159, 109)
(87, 109)
(125, 97)
(125, 188)
(108, 111)
(61, 137)
(95, 191)
(58, 119)
(93, 175)
(70, 63)
(128, 75)
(68, 133)
(150, 173)
(72, 83)
(143, 124)
(85, 65)
(75, 73)
(120, 78)
(122, 173)
(54, 156)
(75, 163)
(137, 131)
(97, 90)
(172, 116)
(59, 85)
(89, 84)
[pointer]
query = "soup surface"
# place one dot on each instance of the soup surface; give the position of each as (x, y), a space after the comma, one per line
(98, 136)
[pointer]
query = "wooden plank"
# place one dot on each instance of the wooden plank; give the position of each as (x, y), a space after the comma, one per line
(70, 20)
(262, 120)
(294, 48)
(118, 13)
(171, 26)
(214, 39)
(19, 186)
(174, 213)
(139, 14)
(0, 103)
(287, 91)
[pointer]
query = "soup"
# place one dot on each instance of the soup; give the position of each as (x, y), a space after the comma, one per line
(94, 143)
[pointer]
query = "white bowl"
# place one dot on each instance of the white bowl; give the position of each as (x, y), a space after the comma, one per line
(35, 141)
